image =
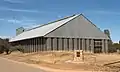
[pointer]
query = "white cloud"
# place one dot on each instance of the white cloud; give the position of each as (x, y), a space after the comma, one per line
(23, 21)
(14, 21)
(19, 10)
(3, 37)
(14, 1)
(115, 41)
(31, 26)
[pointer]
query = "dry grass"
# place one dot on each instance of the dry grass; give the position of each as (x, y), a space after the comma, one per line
(57, 60)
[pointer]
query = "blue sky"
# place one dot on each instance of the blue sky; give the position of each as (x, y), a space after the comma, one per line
(16, 13)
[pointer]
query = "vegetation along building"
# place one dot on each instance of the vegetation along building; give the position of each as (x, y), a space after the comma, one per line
(71, 33)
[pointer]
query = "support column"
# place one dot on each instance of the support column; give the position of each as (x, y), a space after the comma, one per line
(35, 45)
(88, 46)
(70, 44)
(54, 44)
(32, 45)
(83, 44)
(75, 44)
(38, 44)
(65, 44)
(60, 44)
(103, 46)
(106, 46)
(48, 44)
(28, 45)
(92, 46)
(42, 49)
(79, 44)
(57, 44)
(43, 44)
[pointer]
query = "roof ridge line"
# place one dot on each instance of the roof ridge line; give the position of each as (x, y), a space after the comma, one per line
(52, 22)
(64, 23)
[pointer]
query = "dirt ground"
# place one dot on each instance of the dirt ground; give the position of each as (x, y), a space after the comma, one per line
(63, 61)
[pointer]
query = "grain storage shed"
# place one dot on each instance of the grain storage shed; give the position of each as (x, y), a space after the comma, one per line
(71, 33)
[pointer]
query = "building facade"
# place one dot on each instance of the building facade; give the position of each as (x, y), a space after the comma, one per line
(68, 34)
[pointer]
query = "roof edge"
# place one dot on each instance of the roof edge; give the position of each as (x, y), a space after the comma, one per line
(51, 22)
(63, 24)
(95, 25)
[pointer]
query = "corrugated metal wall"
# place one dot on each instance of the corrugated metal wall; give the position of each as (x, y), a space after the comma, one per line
(60, 44)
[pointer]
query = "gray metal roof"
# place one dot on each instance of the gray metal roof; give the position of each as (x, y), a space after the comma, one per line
(76, 26)
(42, 30)
(79, 27)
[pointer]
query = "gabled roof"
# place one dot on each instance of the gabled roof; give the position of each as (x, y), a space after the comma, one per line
(79, 27)
(42, 30)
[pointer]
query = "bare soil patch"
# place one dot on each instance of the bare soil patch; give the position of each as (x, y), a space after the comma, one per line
(57, 60)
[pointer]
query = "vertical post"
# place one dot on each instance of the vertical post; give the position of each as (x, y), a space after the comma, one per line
(30, 45)
(103, 46)
(92, 46)
(75, 44)
(106, 46)
(35, 45)
(43, 44)
(40, 44)
(88, 46)
(65, 44)
(79, 44)
(57, 44)
(51, 44)
(83, 44)
(48, 44)
(54, 44)
(70, 44)
(60, 44)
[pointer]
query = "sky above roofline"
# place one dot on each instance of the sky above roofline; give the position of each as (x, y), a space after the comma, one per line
(105, 14)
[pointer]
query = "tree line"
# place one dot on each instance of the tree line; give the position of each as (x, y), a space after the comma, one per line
(6, 47)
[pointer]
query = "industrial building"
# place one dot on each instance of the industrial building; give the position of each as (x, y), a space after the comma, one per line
(71, 33)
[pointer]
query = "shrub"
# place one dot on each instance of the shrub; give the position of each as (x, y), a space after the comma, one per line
(112, 50)
(4, 46)
(17, 48)
(1, 50)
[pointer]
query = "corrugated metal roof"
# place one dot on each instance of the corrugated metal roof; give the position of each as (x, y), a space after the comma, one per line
(80, 27)
(42, 30)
